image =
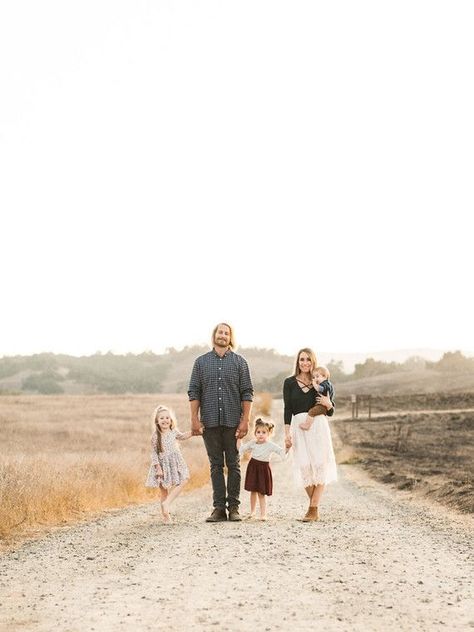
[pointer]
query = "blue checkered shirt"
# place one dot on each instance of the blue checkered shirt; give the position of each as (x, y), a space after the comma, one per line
(220, 385)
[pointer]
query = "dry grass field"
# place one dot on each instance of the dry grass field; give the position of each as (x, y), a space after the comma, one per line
(64, 456)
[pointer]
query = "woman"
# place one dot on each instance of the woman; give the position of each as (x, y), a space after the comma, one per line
(313, 455)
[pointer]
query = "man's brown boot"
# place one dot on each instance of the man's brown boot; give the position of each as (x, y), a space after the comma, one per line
(234, 515)
(218, 515)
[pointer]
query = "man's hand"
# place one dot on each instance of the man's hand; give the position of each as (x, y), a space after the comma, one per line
(242, 428)
(196, 427)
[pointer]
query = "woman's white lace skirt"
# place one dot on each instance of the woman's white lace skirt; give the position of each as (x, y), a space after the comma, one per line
(314, 462)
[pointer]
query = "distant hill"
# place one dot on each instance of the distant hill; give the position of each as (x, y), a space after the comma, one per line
(148, 372)
(109, 373)
(349, 360)
(409, 382)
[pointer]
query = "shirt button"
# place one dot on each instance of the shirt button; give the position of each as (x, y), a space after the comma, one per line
(220, 368)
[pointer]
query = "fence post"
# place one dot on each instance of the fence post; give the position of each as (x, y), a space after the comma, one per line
(370, 406)
(353, 401)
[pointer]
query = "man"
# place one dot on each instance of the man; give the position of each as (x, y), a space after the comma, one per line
(220, 394)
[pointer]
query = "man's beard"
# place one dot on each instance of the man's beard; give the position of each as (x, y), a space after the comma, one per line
(220, 342)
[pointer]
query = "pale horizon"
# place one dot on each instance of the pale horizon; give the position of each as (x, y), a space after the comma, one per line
(300, 170)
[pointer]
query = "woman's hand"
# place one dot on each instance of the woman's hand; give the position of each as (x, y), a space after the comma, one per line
(288, 442)
(325, 401)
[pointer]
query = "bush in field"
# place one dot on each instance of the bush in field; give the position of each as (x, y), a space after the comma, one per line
(46, 383)
(272, 384)
(372, 367)
(117, 374)
(336, 369)
(453, 361)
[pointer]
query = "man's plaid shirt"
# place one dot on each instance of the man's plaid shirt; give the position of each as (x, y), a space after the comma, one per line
(220, 385)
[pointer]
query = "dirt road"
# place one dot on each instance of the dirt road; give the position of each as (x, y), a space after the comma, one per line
(346, 415)
(376, 561)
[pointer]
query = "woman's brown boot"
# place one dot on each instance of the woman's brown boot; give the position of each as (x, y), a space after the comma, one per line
(311, 515)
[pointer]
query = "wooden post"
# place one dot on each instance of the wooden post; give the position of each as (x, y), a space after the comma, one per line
(357, 406)
(353, 401)
(370, 406)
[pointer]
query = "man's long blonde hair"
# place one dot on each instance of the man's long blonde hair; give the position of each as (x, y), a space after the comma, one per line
(232, 335)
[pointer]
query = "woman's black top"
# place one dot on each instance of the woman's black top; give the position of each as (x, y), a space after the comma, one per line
(297, 401)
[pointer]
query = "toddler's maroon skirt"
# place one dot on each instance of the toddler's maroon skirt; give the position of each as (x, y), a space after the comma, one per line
(259, 477)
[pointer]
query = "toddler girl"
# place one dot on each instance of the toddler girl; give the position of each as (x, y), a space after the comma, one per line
(168, 470)
(258, 478)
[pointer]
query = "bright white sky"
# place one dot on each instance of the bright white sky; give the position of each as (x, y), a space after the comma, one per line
(303, 170)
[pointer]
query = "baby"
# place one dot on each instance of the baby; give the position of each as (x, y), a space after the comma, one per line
(322, 386)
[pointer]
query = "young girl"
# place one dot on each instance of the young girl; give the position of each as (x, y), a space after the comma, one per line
(258, 479)
(168, 470)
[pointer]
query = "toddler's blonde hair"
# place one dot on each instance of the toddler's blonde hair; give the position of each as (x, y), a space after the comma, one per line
(323, 370)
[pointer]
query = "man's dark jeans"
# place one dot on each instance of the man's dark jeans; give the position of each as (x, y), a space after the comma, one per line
(221, 442)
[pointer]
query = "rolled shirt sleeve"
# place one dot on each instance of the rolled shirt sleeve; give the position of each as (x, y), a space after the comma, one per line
(194, 389)
(246, 387)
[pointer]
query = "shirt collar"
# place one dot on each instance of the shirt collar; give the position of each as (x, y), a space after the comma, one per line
(225, 354)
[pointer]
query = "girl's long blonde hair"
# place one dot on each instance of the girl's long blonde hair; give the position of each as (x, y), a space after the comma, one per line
(311, 354)
(156, 427)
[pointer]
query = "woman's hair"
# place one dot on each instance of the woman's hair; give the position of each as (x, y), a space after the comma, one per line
(157, 411)
(259, 423)
(311, 354)
(232, 344)
(323, 370)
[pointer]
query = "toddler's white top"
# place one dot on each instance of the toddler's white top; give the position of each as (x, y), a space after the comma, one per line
(262, 451)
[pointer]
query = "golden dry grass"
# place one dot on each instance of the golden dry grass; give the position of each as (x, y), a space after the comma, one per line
(67, 455)
(262, 404)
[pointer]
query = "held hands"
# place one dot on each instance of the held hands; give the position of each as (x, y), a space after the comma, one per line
(242, 428)
(196, 427)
